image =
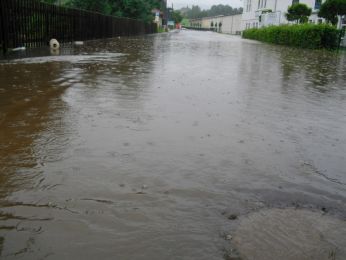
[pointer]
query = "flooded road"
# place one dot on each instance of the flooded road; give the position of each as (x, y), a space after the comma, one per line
(187, 145)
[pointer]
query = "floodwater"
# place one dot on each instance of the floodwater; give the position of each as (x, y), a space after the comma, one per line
(186, 145)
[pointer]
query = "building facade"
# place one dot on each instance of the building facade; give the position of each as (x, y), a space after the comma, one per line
(230, 24)
(258, 13)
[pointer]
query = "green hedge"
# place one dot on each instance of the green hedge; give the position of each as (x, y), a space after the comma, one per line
(311, 36)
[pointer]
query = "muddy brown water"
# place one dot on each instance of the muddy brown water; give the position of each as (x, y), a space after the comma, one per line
(188, 145)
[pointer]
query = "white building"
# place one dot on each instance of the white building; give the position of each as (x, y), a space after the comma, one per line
(258, 13)
(230, 24)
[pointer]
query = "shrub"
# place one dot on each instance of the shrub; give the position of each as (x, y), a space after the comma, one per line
(309, 36)
(298, 12)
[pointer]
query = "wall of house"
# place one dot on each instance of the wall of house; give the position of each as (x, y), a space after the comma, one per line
(230, 24)
(252, 8)
(206, 22)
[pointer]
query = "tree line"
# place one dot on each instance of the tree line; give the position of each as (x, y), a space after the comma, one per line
(136, 9)
(196, 12)
(329, 10)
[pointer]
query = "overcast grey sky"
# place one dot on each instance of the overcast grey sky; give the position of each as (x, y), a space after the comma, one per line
(204, 3)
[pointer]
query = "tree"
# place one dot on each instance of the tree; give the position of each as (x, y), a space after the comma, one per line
(331, 9)
(177, 17)
(196, 12)
(101, 6)
(136, 9)
(185, 22)
(298, 12)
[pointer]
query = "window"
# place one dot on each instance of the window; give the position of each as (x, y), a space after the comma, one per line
(318, 4)
(262, 4)
(295, 2)
(248, 5)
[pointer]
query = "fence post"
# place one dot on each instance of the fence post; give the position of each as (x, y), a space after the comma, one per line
(4, 27)
(47, 18)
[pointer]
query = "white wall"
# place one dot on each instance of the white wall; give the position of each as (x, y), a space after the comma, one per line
(250, 17)
(230, 24)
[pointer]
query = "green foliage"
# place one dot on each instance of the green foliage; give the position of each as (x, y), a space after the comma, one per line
(177, 17)
(185, 22)
(101, 6)
(161, 30)
(50, 1)
(196, 12)
(309, 36)
(136, 9)
(223, 10)
(298, 12)
(331, 8)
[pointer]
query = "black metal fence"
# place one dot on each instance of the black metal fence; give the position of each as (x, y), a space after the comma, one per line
(31, 23)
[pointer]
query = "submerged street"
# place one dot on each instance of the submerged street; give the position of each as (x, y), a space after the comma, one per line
(182, 145)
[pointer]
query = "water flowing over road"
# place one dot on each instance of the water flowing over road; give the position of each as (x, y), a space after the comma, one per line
(185, 145)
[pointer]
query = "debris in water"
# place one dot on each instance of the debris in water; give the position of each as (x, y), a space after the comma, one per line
(232, 217)
(228, 237)
(78, 43)
(54, 44)
(19, 49)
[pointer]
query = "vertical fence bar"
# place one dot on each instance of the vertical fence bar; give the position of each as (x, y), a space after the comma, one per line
(47, 18)
(22, 25)
(35, 29)
(26, 23)
(31, 14)
(11, 34)
(3, 28)
(1, 31)
(41, 23)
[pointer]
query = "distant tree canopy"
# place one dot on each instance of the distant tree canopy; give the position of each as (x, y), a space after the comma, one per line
(196, 12)
(141, 9)
(298, 12)
(136, 9)
(101, 6)
(177, 17)
(331, 9)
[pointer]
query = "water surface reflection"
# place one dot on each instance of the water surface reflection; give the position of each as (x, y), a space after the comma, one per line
(141, 148)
